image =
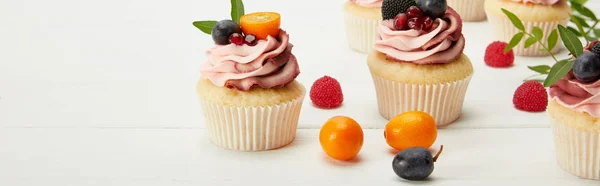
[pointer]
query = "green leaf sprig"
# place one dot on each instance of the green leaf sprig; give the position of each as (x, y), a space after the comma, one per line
(536, 35)
(237, 11)
(585, 21)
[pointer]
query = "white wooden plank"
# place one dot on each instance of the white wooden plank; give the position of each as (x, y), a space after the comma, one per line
(185, 157)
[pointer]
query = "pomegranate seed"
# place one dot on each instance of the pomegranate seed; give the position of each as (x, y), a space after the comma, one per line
(413, 23)
(427, 23)
(414, 12)
(401, 22)
(250, 40)
(236, 39)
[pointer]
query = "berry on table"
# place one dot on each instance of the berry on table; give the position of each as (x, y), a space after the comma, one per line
(415, 163)
(223, 30)
(341, 138)
(261, 24)
(496, 57)
(391, 8)
(236, 39)
(401, 22)
(531, 96)
(250, 40)
(414, 12)
(433, 8)
(587, 67)
(326, 92)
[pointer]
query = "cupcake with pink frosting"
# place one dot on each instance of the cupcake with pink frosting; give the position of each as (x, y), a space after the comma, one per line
(469, 10)
(248, 92)
(575, 110)
(361, 19)
(545, 14)
(418, 63)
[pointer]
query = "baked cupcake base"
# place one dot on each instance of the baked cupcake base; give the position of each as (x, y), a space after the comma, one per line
(577, 141)
(257, 120)
(469, 10)
(437, 89)
(361, 26)
(545, 17)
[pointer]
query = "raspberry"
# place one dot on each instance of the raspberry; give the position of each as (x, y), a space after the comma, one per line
(496, 57)
(326, 92)
(531, 96)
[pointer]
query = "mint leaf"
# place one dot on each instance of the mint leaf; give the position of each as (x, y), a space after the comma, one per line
(237, 10)
(538, 33)
(516, 39)
(559, 70)
(575, 31)
(530, 41)
(514, 19)
(542, 69)
(571, 41)
(579, 21)
(579, 1)
(584, 11)
(552, 39)
(205, 26)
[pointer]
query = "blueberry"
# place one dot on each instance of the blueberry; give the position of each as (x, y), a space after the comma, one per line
(587, 67)
(223, 29)
(433, 8)
(414, 163)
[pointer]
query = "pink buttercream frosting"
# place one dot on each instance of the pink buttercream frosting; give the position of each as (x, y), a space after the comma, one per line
(268, 64)
(578, 96)
(368, 3)
(443, 44)
(542, 2)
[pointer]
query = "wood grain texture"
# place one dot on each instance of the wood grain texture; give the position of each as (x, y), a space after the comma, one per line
(185, 157)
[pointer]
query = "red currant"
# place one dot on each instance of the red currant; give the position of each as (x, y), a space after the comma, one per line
(414, 12)
(413, 23)
(401, 22)
(250, 40)
(427, 23)
(236, 39)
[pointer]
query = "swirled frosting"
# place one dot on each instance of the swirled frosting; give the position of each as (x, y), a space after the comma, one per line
(368, 3)
(443, 44)
(542, 2)
(578, 96)
(268, 64)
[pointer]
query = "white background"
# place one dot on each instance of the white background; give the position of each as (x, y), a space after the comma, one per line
(103, 93)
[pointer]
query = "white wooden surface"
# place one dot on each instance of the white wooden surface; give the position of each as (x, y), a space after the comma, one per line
(102, 93)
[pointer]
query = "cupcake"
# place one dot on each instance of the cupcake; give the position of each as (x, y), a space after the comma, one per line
(575, 110)
(361, 18)
(248, 92)
(469, 10)
(418, 63)
(545, 14)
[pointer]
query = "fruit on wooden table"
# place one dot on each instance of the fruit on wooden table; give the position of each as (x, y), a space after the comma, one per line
(411, 129)
(341, 138)
(414, 163)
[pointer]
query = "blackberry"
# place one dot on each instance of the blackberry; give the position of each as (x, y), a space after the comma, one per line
(596, 48)
(391, 8)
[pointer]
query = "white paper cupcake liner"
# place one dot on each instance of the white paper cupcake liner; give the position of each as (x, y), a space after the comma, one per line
(443, 102)
(360, 32)
(577, 151)
(504, 30)
(252, 128)
(469, 10)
